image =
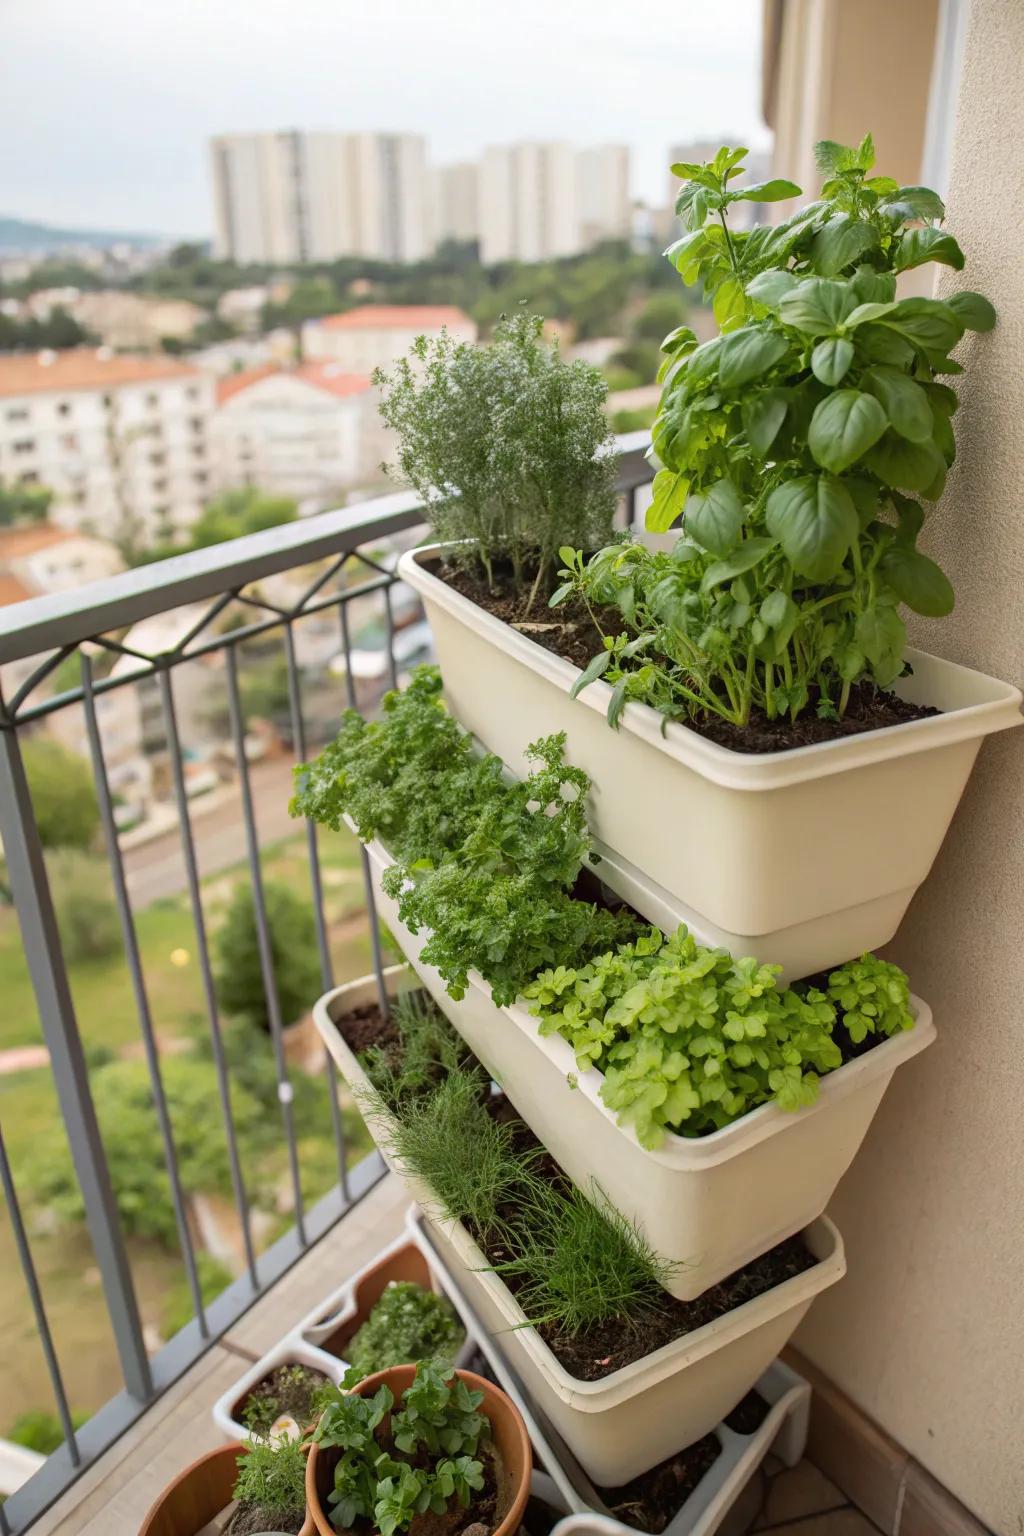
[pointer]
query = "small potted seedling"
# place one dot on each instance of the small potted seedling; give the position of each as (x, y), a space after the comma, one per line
(423, 1449)
(263, 1480)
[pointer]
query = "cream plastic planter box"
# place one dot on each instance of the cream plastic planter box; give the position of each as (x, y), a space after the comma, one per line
(628, 1422)
(783, 1431)
(708, 1205)
(803, 857)
(290, 1351)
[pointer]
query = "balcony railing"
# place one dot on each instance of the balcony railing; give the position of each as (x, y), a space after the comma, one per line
(333, 571)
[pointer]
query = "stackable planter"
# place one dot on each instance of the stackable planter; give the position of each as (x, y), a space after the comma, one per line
(320, 1339)
(290, 1351)
(783, 1431)
(637, 1416)
(805, 857)
(709, 1204)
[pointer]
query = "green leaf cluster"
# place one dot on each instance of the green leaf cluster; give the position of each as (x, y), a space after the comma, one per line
(796, 447)
(485, 864)
(407, 1323)
(271, 1481)
(438, 1425)
(689, 1039)
(507, 444)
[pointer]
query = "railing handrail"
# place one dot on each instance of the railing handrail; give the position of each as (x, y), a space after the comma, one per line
(67, 618)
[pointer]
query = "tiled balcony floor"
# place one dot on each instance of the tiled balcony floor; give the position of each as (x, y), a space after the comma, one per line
(113, 1497)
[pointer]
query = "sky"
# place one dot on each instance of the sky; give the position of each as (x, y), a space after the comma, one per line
(106, 105)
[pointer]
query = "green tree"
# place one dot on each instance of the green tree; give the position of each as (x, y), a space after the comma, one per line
(177, 1309)
(63, 794)
(661, 313)
(239, 976)
(240, 512)
(86, 912)
(23, 504)
(39, 1430)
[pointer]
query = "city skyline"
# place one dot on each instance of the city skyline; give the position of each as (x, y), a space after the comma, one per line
(112, 110)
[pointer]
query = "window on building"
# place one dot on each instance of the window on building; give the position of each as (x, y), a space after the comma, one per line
(162, 511)
(160, 486)
(64, 408)
(24, 445)
(192, 392)
(200, 477)
(28, 477)
(17, 413)
(158, 460)
(196, 423)
(69, 442)
(152, 401)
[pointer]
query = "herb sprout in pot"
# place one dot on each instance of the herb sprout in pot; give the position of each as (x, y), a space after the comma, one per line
(421, 1449)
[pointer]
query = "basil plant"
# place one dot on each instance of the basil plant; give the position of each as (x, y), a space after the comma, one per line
(798, 447)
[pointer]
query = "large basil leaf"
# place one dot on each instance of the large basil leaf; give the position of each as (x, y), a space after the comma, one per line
(815, 521)
(905, 465)
(748, 353)
(749, 554)
(831, 359)
(905, 402)
(918, 581)
(972, 309)
(920, 245)
(767, 288)
(914, 203)
(841, 242)
(763, 414)
(817, 307)
(668, 501)
(714, 517)
(844, 426)
(775, 191)
(928, 323)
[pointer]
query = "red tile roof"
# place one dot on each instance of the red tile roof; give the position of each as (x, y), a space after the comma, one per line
(326, 376)
(30, 537)
(404, 317)
(12, 591)
(29, 373)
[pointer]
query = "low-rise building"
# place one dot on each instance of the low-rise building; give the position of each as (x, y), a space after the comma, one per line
(135, 321)
(377, 335)
(310, 432)
(122, 441)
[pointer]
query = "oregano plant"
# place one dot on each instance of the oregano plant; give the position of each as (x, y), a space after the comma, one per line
(798, 447)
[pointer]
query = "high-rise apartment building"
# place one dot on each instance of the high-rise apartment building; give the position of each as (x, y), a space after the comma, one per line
(528, 203)
(291, 196)
(456, 198)
(603, 198)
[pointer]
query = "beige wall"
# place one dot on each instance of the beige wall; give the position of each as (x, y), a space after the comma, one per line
(927, 1331)
(844, 68)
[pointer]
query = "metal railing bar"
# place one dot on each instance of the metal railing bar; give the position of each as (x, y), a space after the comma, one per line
(262, 604)
(34, 678)
(374, 565)
(188, 851)
(28, 1269)
(321, 581)
(263, 938)
(317, 889)
(171, 1362)
(122, 650)
(67, 618)
(41, 940)
(224, 642)
(383, 1002)
(208, 617)
(134, 960)
(389, 621)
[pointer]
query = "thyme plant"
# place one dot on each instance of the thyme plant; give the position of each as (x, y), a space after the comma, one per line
(508, 446)
(798, 448)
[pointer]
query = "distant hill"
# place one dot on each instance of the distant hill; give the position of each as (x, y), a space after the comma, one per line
(19, 235)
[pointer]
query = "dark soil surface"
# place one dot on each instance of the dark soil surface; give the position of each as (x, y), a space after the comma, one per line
(749, 1414)
(650, 1501)
(539, 1518)
(366, 1026)
(250, 1518)
(568, 631)
(288, 1389)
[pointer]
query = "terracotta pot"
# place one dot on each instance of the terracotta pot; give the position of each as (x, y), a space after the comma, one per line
(508, 1433)
(199, 1493)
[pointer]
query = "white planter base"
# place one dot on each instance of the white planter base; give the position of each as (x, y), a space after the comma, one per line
(783, 1431)
(813, 853)
(636, 1417)
(707, 1205)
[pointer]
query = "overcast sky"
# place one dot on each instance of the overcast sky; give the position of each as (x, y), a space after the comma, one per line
(106, 105)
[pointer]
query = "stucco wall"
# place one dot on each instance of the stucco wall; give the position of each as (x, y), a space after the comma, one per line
(927, 1331)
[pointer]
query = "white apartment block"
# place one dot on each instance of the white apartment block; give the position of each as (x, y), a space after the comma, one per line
(456, 197)
(291, 196)
(377, 335)
(123, 442)
(528, 203)
(135, 321)
(604, 206)
(306, 432)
